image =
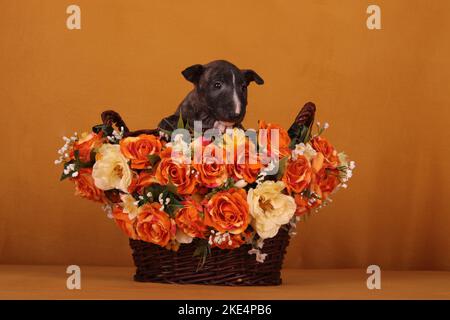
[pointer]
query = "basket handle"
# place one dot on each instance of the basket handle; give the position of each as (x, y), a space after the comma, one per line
(304, 118)
(111, 117)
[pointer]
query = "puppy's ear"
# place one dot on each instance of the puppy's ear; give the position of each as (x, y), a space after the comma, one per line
(251, 75)
(193, 73)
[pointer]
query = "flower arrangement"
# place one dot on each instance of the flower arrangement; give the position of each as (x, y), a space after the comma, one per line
(218, 190)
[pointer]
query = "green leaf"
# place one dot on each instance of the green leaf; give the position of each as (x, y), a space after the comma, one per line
(282, 167)
(65, 176)
(306, 193)
(155, 190)
(202, 250)
(301, 134)
(175, 201)
(172, 209)
(107, 130)
(80, 164)
(76, 155)
(97, 128)
(180, 124)
(167, 191)
(308, 134)
(171, 187)
(92, 156)
(154, 159)
(188, 127)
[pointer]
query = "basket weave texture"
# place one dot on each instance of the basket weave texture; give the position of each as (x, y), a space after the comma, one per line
(222, 267)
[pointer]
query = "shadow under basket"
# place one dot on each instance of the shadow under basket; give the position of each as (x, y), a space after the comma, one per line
(222, 267)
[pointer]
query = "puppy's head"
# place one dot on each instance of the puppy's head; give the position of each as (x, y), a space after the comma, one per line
(222, 88)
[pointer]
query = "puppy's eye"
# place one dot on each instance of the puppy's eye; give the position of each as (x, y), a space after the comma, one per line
(217, 85)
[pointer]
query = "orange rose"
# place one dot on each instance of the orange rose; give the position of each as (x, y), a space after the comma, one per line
(212, 172)
(247, 172)
(85, 186)
(154, 225)
(322, 185)
(189, 220)
(177, 173)
(124, 223)
(140, 181)
(137, 149)
(242, 169)
(322, 145)
(283, 139)
(302, 203)
(228, 211)
(297, 175)
(327, 179)
(317, 162)
(86, 144)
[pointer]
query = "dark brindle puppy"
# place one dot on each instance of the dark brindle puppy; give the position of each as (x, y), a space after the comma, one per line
(219, 97)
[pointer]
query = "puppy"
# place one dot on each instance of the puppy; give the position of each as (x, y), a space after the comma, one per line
(219, 97)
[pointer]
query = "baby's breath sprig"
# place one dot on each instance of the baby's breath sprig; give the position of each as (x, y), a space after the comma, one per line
(320, 128)
(116, 136)
(164, 134)
(217, 237)
(64, 150)
(346, 172)
(72, 167)
(70, 170)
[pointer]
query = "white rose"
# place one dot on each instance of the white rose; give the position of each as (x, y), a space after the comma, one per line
(111, 170)
(270, 208)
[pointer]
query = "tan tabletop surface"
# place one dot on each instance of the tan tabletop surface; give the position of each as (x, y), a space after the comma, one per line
(49, 282)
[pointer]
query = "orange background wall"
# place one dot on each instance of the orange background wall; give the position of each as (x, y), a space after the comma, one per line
(384, 92)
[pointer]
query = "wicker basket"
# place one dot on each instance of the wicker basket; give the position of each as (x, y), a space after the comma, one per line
(222, 267)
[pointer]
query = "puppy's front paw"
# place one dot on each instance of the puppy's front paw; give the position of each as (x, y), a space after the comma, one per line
(222, 126)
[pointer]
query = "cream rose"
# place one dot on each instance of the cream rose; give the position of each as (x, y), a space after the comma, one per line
(111, 170)
(270, 208)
